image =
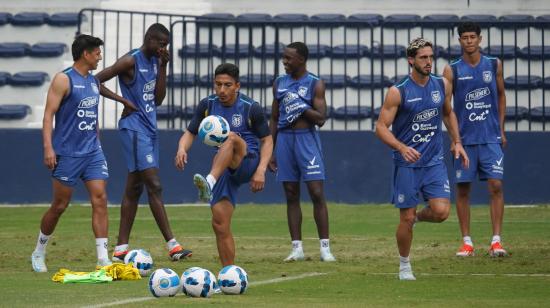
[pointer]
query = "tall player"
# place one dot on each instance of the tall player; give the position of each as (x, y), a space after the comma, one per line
(480, 104)
(298, 106)
(242, 158)
(142, 78)
(73, 151)
(414, 108)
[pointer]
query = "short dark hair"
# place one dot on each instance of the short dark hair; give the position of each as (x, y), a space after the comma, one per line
(301, 49)
(157, 28)
(228, 69)
(417, 44)
(84, 42)
(469, 27)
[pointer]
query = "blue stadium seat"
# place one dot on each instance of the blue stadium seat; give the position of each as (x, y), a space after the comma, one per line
(63, 19)
(513, 114)
(199, 50)
(188, 112)
(215, 20)
(542, 21)
(483, 20)
(535, 52)
(349, 51)
(352, 112)
(335, 81)
(43, 50)
(4, 78)
(502, 52)
(455, 51)
(290, 20)
(539, 114)
(376, 112)
(14, 112)
(368, 81)
(256, 81)
(181, 80)
(396, 79)
(439, 21)
(166, 112)
(206, 80)
(5, 18)
(232, 51)
(28, 79)
(373, 20)
(439, 51)
(267, 111)
(29, 19)
(523, 82)
(328, 20)
(400, 21)
(318, 51)
(546, 83)
(389, 51)
(516, 21)
(9, 50)
(254, 19)
(268, 50)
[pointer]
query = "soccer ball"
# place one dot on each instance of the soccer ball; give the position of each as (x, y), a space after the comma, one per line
(233, 280)
(200, 283)
(213, 130)
(164, 282)
(185, 275)
(141, 260)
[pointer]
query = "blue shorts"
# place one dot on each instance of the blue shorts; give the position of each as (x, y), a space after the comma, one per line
(408, 183)
(299, 156)
(69, 169)
(140, 150)
(228, 184)
(487, 160)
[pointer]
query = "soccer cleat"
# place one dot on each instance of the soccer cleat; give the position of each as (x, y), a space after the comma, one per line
(327, 257)
(295, 255)
(496, 250)
(205, 192)
(103, 262)
(406, 274)
(178, 253)
(118, 256)
(465, 251)
(38, 260)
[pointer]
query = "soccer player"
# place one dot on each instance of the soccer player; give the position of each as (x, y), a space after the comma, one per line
(72, 151)
(298, 106)
(414, 108)
(242, 158)
(142, 78)
(480, 104)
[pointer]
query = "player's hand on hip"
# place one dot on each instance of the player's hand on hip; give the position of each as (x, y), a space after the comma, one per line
(128, 104)
(258, 181)
(504, 141)
(50, 159)
(181, 159)
(272, 166)
(460, 152)
(409, 154)
(126, 112)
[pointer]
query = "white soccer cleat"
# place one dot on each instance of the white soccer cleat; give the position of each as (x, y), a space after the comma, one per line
(295, 255)
(327, 257)
(104, 262)
(39, 262)
(406, 274)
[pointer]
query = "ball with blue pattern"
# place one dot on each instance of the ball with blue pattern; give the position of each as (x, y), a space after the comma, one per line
(233, 280)
(214, 130)
(141, 260)
(164, 282)
(200, 283)
(186, 274)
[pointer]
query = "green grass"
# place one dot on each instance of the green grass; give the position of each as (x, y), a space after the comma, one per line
(362, 238)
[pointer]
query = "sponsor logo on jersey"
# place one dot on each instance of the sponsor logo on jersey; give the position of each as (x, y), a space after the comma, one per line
(465, 78)
(425, 115)
(477, 94)
(412, 100)
(150, 86)
(88, 102)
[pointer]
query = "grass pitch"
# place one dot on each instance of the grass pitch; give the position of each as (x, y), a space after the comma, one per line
(362, 239)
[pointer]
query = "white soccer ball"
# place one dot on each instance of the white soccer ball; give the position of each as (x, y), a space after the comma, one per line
(213, 130)
(164, 282)
(185, 275)
(233, 279)
(141, 260)
(200, 283)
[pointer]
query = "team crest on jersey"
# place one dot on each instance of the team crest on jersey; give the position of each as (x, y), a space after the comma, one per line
(95, 89)
(436, 97)
(302, 91)
(487, 76)
(236, 120)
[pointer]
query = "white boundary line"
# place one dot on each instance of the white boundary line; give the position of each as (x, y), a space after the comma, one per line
(85, 204)
(258, 283)
(463, 274)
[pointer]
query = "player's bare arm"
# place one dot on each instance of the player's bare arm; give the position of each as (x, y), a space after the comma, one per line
(123, 67)
(58, 89)
(257, 181)
(385, 120)
(450, 121)
(160, 86)
(317, 114)
(273, 128)
(184, 145)
(501, 102)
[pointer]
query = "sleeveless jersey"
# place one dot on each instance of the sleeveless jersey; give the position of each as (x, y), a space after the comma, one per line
(292, 95)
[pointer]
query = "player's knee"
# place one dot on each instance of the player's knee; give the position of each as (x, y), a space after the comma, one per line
(317, 197)
(408, 220)
(442, 214)
(59, 205)
(154, 189)
(220, 227)
(495, 188)
(292, 196)
(99, 199)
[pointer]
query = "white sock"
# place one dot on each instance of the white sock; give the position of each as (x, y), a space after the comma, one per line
(496, 238)
(211, 180)
(404, 262)
(101, 247)
(121, 248)
(325, 245)
(171, 244)
(468, 241)
(297, 245)
(42, 242)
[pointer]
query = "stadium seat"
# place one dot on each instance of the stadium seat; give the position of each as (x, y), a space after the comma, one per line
(523, 82)
(502, 52)
(267, 111)
(233, 50)
(166, 112)
(181, 80)
(389, 51)
(373, 20)
(328, 20)
(216, 20)
(29, 19)
(535, 52)
(206, 80)
(268, 50)
(335, 81)
(349, 51)
(43, 50)
(400, 21)
(12, 50)
(542, 21)
(256, 81)
(370, 81)
(14, 112)
(254, 19)
(546, 83)
(352, 112)
(28, 79)
(396, 79)
(5, 18)
(4, 78)
(512, 113)
(439, 51)
(539, 114)
(516, 21)
(453, 52)
(376, 112)
(188, 112)
(198, 50)
(63, 19)
(318, 51)
(439, 21)
(290, 20)
(482, 19)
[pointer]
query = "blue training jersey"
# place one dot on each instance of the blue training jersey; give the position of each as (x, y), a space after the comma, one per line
(141, 92)
(291, 93)
(76, 120)
(476, 101)
(417, 123)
